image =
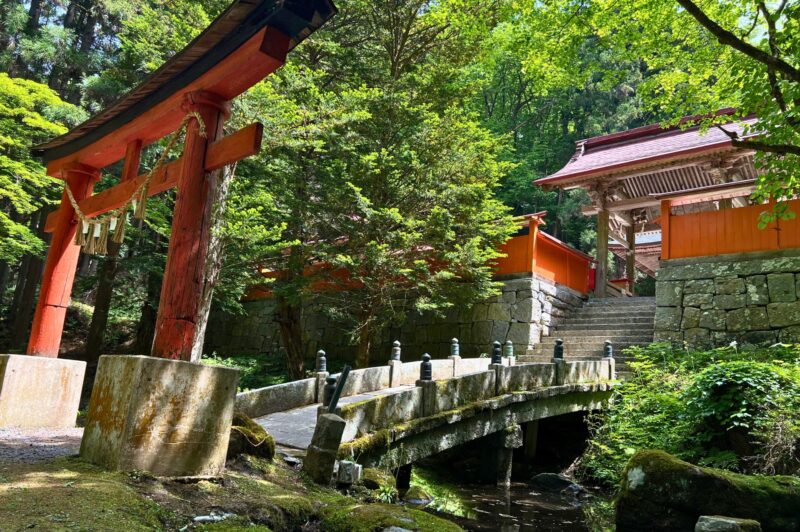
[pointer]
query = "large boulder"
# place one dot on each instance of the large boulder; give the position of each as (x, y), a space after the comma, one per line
(660, 492)
(248, 437)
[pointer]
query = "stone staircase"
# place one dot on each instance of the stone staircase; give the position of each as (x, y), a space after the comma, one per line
(625, 321)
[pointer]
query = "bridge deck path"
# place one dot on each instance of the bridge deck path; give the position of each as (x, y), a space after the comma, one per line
(294, 428)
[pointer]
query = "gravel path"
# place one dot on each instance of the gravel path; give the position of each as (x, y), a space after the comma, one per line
(35, 445)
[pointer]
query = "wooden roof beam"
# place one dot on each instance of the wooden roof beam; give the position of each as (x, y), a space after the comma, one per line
(622, 206)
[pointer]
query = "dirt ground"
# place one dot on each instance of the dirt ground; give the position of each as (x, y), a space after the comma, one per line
(36, 445)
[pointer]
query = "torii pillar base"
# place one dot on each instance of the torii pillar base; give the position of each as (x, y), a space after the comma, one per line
(39, 392)
(167, 417)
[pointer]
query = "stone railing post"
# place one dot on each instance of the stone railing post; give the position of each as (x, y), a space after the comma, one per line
(508, 352)
(428, 403)
(322, 453)
(608, 357)
(558, 360)
(330, 388)
(497, 366)
(497, 354)
(321, 373)
(455, 356)
(426, 368)
(395, 365)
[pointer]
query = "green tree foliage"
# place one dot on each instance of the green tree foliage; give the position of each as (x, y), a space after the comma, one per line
(384, 194)
(29, 113)
(700, 56)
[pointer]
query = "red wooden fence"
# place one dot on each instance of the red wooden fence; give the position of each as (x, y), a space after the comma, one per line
(725, 231)
(540, 253)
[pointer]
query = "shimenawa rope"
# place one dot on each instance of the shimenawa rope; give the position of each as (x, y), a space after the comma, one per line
(93, 233)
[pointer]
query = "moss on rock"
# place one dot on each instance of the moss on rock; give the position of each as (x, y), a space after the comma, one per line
(67, 494)
(375, 479)
(417, 496)
(370, 517)
(665, 493)
(248, 437)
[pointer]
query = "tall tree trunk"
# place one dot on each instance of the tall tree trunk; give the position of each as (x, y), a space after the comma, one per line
(146, 329)
(32, 275)
(102, 304)
(19, 287)
(32, 25)
(364, 347)
(220, 183)
(34, 18)
(289, 317)
(4, 272)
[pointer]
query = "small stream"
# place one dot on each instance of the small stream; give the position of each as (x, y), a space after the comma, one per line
(519, 507)
(540, 498)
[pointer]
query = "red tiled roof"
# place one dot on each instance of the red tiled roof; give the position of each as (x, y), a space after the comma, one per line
(641, 147)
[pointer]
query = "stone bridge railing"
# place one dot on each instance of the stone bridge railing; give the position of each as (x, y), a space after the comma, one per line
(304, 392)
(410, 423)
(446, 394)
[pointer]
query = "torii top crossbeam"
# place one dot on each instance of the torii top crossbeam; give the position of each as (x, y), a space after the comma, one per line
(240, 48)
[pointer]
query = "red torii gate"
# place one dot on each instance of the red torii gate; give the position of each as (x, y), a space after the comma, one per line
(245, 44)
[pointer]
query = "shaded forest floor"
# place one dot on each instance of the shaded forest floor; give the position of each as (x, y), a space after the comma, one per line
(69, 494)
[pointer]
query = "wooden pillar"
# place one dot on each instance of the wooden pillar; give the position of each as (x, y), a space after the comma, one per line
(184, 275)
(602, 253)
(59, 268)
(533, 235)
(666, 216)
(630, 256)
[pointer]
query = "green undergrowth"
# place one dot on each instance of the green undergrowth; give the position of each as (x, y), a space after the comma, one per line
(446, 495)
(255, 371)
(263, 369)
(728, 408)
(69, 494)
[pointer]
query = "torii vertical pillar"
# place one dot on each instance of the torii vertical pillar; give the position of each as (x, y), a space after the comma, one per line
(43, 391)
(184, 275)
(59, 269)
(171, 417)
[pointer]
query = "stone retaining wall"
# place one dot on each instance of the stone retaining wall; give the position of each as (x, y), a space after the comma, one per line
(524, 312)
(752, 298)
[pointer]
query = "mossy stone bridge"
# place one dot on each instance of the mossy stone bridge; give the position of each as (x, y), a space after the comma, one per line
(389, 416)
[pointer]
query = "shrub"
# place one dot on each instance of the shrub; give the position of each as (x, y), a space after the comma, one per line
(728, 408)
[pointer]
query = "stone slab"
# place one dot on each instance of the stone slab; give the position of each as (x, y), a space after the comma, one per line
(39, 392)
(167, 417)
(525, 377)
(256, 403)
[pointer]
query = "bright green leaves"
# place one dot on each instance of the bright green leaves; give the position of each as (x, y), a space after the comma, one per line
(28, 114)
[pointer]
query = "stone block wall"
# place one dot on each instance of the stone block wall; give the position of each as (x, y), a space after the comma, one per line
(752, 298)
(524, 312)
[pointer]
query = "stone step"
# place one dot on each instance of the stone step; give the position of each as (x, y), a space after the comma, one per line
(613, 320)
(582, 350)
(596, 340)
(624, 313)
(621, 301)
(610, 332)
(570, 327)
(613, 308)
